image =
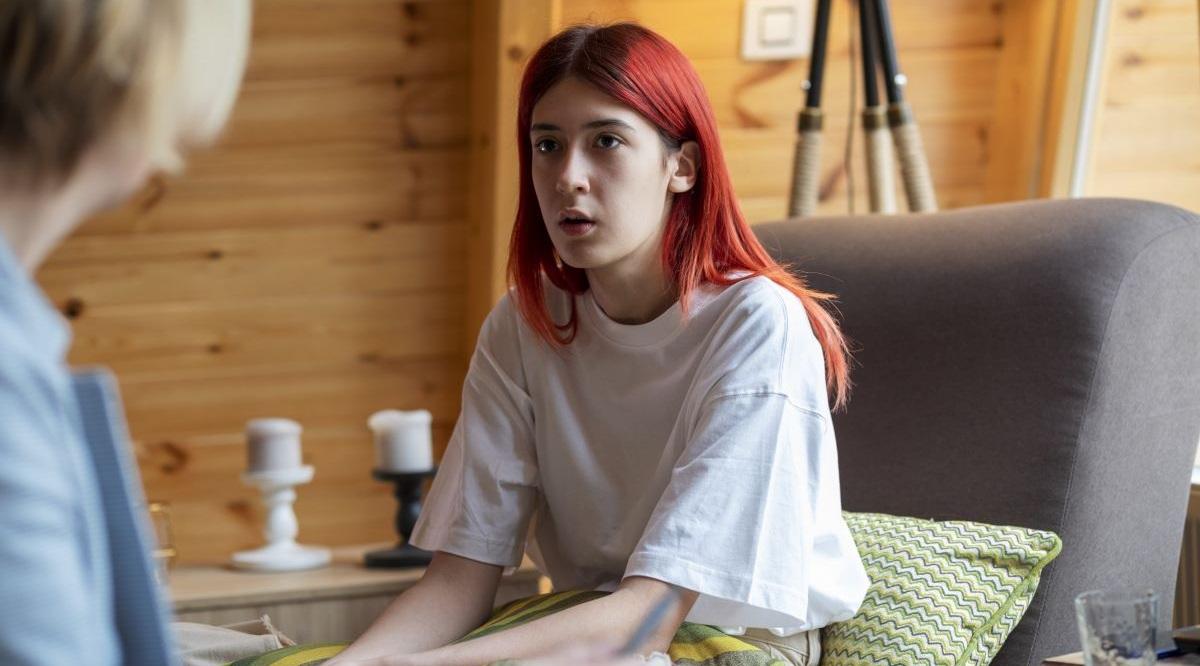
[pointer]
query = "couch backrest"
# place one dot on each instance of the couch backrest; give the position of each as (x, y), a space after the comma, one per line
(1033, 364)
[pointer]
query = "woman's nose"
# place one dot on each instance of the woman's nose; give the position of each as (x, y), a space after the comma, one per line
(573, 176)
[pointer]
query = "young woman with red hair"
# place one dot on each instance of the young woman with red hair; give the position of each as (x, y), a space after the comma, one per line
(650, 403)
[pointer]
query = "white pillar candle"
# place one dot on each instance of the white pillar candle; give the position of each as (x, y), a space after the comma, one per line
(403, 440)
(272, 444)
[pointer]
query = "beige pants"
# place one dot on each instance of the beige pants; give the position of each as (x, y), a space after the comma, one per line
(802, 649)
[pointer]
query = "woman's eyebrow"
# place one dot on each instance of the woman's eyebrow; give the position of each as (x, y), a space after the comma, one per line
(605, 122)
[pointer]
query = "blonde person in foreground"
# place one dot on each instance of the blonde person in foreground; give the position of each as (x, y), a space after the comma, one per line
(651, 400)
(95, 96)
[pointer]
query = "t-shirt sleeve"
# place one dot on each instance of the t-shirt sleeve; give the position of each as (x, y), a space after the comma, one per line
(735, 522)
(486, 486)
(751, 516)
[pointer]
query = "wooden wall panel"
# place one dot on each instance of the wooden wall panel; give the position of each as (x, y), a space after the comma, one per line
(1023, 105)
(504, 35)
(311, 267)
(1146, 139)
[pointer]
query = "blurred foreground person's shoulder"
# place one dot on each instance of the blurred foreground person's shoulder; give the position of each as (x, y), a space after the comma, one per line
(95, 96)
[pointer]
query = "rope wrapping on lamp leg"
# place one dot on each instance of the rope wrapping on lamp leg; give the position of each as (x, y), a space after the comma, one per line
(806, 163)
(881, 185)
(914, 170)
(806, 169)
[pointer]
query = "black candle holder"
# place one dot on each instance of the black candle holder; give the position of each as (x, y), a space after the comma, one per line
(408, 498)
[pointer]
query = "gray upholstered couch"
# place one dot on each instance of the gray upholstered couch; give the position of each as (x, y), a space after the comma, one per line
(1033, 364)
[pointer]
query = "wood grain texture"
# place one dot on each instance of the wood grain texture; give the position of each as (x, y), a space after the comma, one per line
(332, 604)
(1146, 140)
(205, 586)
(1022, 98)
(310, 266)
(505, 34)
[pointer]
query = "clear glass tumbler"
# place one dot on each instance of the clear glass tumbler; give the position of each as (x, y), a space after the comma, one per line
(164, 542)
(1118, 627)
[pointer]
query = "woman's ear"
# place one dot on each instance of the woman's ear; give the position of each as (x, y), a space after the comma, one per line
(684, 165)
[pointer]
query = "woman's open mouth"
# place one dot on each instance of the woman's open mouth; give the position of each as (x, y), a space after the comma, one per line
(576, 226)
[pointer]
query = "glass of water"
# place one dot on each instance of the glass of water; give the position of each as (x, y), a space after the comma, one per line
(1117, 627)
(164, 542)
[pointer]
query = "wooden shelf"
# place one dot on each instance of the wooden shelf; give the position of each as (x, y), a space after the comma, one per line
(334, 603)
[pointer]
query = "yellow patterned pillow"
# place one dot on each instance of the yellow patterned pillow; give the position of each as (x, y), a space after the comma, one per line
(694, 644)
(297, 655)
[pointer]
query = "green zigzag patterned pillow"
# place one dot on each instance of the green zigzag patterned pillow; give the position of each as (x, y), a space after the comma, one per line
(941, 592)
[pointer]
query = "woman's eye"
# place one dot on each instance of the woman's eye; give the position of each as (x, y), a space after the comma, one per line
(607, 141)
(545, 145)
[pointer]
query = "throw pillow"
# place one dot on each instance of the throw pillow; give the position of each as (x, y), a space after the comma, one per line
(942, 593)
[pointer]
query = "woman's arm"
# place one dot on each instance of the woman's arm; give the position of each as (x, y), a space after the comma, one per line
(453, 597)
(610, 619)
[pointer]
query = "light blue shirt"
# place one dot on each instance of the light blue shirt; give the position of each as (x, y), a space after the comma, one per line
(56, 592)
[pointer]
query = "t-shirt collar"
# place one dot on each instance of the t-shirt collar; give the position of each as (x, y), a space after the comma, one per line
(653, 332)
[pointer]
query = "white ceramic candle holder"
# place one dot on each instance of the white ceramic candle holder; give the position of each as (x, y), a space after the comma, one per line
(281, 553)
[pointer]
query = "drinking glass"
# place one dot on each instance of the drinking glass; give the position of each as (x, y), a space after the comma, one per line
(164, 544)
(1117, 627)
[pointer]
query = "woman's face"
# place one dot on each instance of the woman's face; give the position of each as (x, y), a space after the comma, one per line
(603, 177)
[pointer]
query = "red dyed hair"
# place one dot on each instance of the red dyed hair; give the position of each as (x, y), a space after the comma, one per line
(706, 237)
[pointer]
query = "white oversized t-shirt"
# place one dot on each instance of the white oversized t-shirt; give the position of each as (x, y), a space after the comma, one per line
(696, 451)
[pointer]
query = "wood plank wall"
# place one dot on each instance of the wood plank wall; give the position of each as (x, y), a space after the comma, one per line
(310, 267)
(1147, 141)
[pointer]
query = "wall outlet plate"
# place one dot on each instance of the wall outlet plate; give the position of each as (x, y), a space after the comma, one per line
(777, 29)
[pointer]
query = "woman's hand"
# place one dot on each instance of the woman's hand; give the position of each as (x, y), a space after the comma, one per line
(645, 610)
(453, 597)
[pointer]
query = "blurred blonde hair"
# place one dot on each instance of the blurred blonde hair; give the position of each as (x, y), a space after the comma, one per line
(158, 75)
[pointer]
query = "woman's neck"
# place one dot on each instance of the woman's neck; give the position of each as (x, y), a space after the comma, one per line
(632, 297)
(31, 226)
(34, 220)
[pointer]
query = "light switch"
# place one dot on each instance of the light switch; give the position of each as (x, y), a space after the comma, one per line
(776, 29)
(778, 26)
